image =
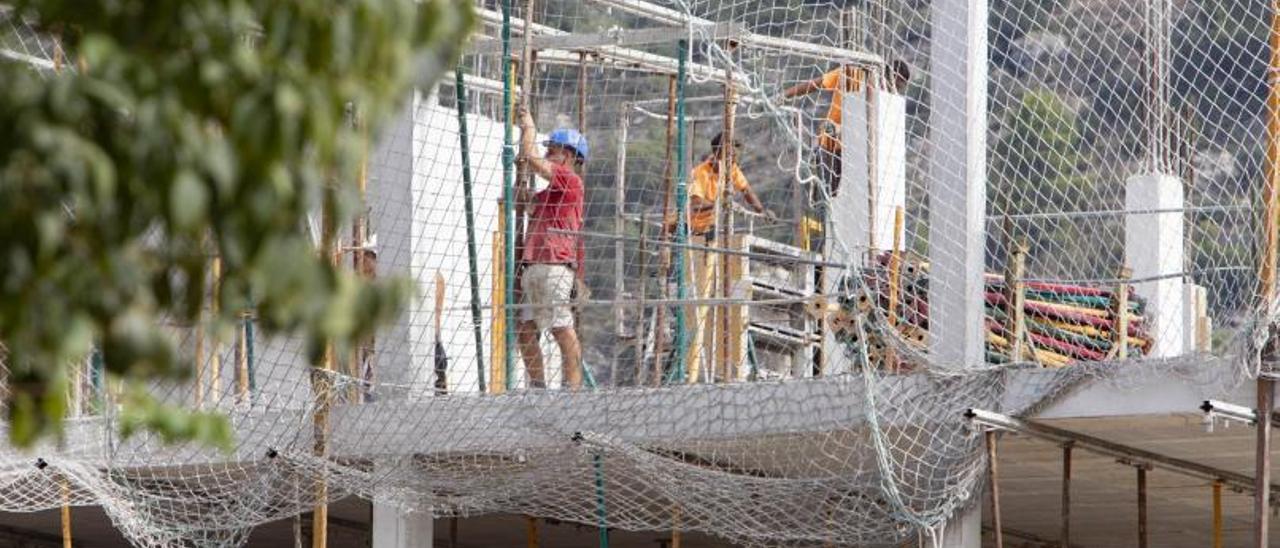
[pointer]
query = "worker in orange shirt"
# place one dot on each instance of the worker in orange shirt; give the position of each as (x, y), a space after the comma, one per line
(841, 80)
(704, 192)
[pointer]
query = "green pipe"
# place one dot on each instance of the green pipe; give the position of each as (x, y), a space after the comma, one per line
(471, 226)
(588, 377)
(682, 228)
(508, 201)
(96, 373)
(602, 516)
(248, 357)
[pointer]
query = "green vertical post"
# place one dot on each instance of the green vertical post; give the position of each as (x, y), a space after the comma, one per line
(248, 357)
(96, 373)
(508, 199)
(682, 227)
(602, 516)
(463, 147)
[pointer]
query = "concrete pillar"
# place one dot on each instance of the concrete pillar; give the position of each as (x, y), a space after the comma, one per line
(394, 527)
(957, 181)
(957, 204)
(875, 171)
(873, 182)
(1153, 244)
(964, 530)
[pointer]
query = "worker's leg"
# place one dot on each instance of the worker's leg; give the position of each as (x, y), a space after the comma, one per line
(528, 334)
(571, 356)
(697, 315)
(557, 287)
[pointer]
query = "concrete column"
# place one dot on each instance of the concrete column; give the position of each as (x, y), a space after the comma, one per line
(957, 182)
(964, 530)
(1153, 247)
(395, 526)
(957, 204)
(874, 177)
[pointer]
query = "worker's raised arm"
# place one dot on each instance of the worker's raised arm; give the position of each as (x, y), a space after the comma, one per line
(803, 88)
(529, 146)
(741, 185)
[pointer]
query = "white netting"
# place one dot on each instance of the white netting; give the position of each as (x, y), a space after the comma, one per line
(1121, 162)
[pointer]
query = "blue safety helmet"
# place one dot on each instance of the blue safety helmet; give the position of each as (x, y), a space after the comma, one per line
(570, 139)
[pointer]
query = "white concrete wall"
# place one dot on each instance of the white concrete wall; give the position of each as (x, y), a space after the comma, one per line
(875, 170)
(1154, 247)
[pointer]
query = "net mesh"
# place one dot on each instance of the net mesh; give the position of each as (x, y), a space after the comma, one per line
(763, 369)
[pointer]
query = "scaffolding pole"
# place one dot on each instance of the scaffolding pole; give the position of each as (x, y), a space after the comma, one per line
(473, 268)
(508, 203)
(682, 226)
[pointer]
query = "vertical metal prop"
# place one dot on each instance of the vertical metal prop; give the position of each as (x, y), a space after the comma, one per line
(619, 226)
(582, 92)
(1217, 514)
(321, 390)
(66, 515)
(531, 531)
(215, 353)
(664, 264)
(1015, 293)
(724, 230)
(1121, 333)
(1065, 536)
(994, 471)
(1267, 283)
(1142, 506)
(1262, 461)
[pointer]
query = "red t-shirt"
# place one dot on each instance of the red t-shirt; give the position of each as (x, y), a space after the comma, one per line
(558, 207)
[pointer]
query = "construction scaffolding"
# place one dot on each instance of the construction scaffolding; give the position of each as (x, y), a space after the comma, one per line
(943, 207)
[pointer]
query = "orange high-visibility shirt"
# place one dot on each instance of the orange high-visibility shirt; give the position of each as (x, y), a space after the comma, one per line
(830, 136)
(704, 183)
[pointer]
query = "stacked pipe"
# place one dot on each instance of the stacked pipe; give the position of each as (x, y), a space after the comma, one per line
(1063, 323)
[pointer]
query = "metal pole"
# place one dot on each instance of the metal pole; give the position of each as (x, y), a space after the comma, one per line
(468, 202)
(531, 531)
(1142, 506)
(1065, 536)
(322, 391)
(682, 227)
(664, 264)
(728, 163)
(508, 201)
(619, 225)
(1267, 279)
(602, 516)
(66, 515)
(1217, 514)
(582, 91)
(993, 469)
(1262, 462)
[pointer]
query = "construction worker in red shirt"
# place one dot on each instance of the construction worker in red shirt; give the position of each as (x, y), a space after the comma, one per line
(553, 254)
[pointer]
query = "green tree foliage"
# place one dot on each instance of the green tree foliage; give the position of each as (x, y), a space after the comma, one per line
(1037, 156)
(190, 129)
